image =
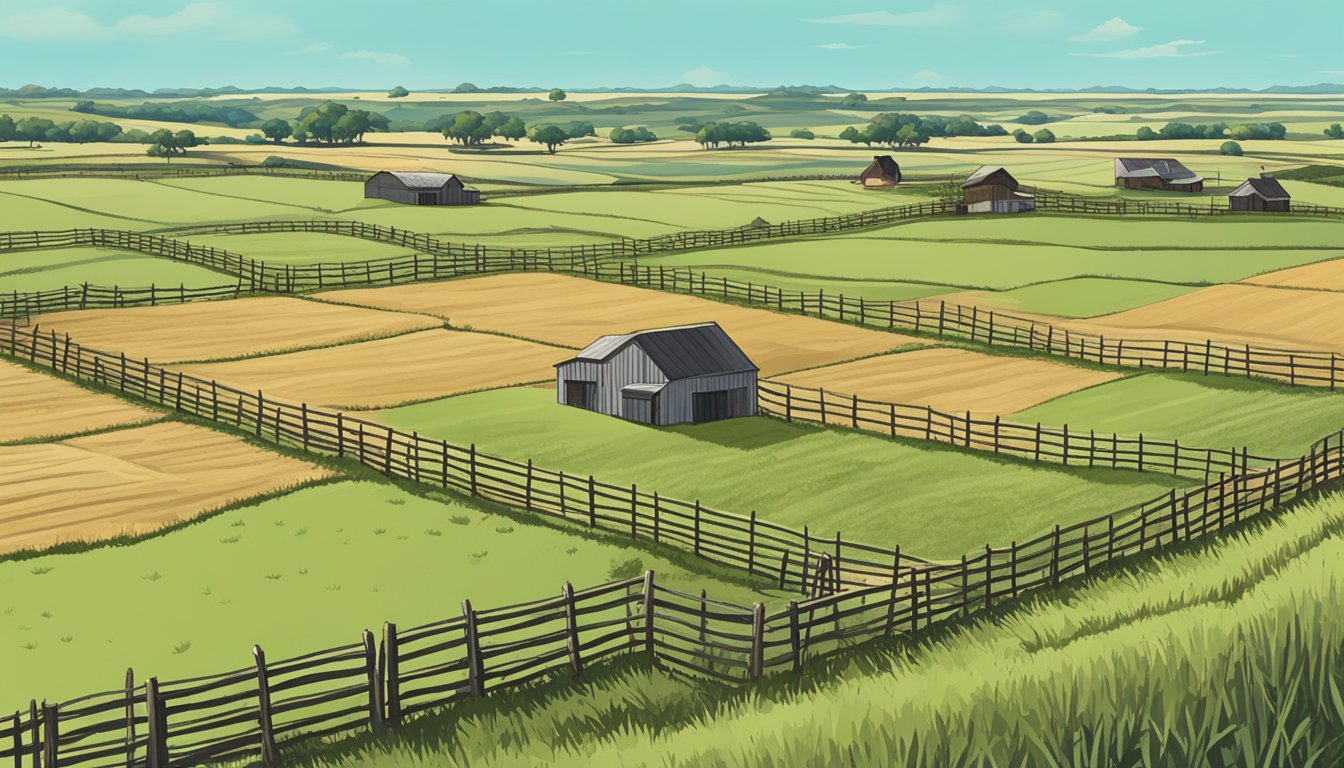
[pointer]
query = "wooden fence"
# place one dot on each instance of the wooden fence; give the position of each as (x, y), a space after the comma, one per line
(376, 683)
(1059, 202)
(177, 172)
(1078, 448)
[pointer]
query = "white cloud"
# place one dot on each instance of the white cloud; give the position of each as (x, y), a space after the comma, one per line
(1112, 29)
(840, 46)
(57, 24)
(704, 77)
(377, 57)
(314, 48)
(1171, 50)
(939, 15)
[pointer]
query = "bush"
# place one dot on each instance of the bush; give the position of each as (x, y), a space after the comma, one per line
(802, 133)
(1022, 136)
(625, 569)
(854, 100)
(398, 93)
(1335, 131)
(1230, 148)
(1034, 117)
(1044, 136)
(632, 135)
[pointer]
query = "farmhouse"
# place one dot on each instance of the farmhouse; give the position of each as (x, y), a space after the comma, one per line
(1156, 173)
(992, 189)
(1259, 194)
(882, 172)
(687, 373)
(419, 189)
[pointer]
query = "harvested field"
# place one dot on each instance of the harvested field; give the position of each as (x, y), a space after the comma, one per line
(1323, 275)
(226, 329)
(130, 481)
(34, 405)
(380, 374)
(573, 311)
(952, 380)
(1285, 318)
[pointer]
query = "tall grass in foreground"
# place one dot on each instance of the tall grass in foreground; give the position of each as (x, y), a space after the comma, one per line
(1226, 654)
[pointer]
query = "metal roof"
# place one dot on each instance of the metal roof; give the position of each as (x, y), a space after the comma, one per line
(680, 352)
(421, 180)
(984, 172)
(1167, 168)
(1264, 186)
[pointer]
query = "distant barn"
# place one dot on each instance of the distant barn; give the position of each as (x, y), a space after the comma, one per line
(419, 189)
(1260, 194)
(882, 172)
(992, 189)
(1156, 173)
(685, 374)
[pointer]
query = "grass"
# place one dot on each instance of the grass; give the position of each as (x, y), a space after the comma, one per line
(869, 488)
(217, 587)
(56, 268)
(301, 247)
(1226, 653)
(1212, 411)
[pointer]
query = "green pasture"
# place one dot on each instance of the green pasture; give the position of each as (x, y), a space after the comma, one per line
(1077, 297)
(149, 202)
(301, 247)
(931, 501)
(1227, 653)
(317, 195)
(1213, 411)
(56, 268)
(298, 573)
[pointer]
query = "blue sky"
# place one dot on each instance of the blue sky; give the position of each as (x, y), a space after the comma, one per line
(592, 43)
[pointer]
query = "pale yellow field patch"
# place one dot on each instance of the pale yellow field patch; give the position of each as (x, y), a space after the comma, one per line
(34, 405)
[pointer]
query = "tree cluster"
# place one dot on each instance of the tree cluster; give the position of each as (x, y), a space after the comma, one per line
(1335, 131)
(1241, 132)
(854, 100)
(335, 123)
(632, 135)
(36, 129)
(164, 143)
(899, 129)
(472, 128)
(802, 133)
(175, 112)
(1034, 117)
(398, 93)
(740, 133)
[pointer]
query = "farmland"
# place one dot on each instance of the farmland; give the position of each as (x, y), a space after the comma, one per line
(169, 538)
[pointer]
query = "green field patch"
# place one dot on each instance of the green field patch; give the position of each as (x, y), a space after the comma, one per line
(297, 573)
(21, 213)
(1208, 412)
(144, 200)
(55, 268)
(316, 194)
(934, 502)
(1076, 297)
(301, 247)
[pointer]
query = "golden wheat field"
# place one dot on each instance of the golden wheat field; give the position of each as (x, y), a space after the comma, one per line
(1323, 275)
(35, 405)
(573, 312)
(130, 481)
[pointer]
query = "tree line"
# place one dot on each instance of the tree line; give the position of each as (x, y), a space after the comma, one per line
(175, 112)
(899, 129)
(38, 129)
(1241, 132)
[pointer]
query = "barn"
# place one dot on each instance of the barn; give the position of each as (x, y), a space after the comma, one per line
(419, 189)
(992, 189)
(1260, 194)
(882, 172)
(1156, 173)
(685, 374)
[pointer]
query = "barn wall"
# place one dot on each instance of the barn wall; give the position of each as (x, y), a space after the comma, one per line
(637, 409)
(629, 366)
(387, 187)
(982, 193)
(675, 403)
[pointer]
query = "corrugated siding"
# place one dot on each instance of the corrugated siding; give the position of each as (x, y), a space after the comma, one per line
(629, 366)
(637, 409)
(676, 403)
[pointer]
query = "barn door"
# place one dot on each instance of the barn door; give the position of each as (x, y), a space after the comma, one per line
(581, 394)
(711, 406)
(427, 198)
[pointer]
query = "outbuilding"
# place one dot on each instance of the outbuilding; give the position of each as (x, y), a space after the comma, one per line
(419, 188)
(1260, 194)
(679, 375)
(1156, 173)
(992, 189)
(882, 172)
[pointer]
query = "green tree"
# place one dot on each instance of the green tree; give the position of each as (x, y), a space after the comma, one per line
(6, 128)
(513, 128)
(84, 132)
(852, 135)
(854, 100)
(398, 93)
(1044, 136)
(1146, 134)
(164, 143)
(319, 123)
(32, 129)
(632, 135)
(277, 129)
(108, 131)
(1034, 117)
(1335, 131)
(466, 88)
(1022, 136)
(550, 135)
(579, 129)
(1230, 148)
(802, 133)
(557, 94)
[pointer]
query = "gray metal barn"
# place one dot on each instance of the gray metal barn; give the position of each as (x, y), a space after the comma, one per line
(419, 189)
(1262, 194)
(685, 374)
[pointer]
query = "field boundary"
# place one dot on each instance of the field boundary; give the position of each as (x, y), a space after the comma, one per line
(374, 684)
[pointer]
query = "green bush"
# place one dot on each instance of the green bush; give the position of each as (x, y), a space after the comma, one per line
(1230, 148)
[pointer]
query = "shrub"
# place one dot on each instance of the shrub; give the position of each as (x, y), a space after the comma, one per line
(802, 133)
(1022, 136)
(1044, 136)
(1230, 148)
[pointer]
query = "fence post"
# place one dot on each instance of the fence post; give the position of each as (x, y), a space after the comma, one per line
(475, 665)
(795, 636)
(697, 528)
(50, 734)
(130, 718)
(1054, 558)
(647, 600)
(375, 682)
(751, 544)
(756, 663)
(156, 740)
(269, 756)
(392, 674)
(571, 629)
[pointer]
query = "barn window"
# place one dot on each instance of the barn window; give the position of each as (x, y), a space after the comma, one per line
(712, 406)
(426, 198)
(581, 394)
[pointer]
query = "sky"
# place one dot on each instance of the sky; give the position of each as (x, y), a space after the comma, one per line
(871, 44)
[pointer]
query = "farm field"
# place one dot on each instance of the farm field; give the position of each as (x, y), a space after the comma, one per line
(1073, 297)
(1110, 664)
(951, 380)
(573, 312)
(387, 372)
(218, 330)
(869, 488)
(1320, 276)
(300, 247)
(130, 481)
(56, 268)
(1211, 411)
(36, 406)
(306, 570)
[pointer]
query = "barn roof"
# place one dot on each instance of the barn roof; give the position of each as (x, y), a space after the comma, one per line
(1264, 186)
(984, 172)
(679, 352)
(1168, 169)
(887, 165)
(421, 180)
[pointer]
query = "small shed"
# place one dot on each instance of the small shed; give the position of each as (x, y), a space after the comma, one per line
(685, 374)
(1156, 173)
(882, 172)
(1260, 194)
(419, 189)
(992, 189)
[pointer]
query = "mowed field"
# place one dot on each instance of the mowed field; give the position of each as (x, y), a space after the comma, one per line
(56, 268)
(130, 481)
(573, 312)
(951, 380)
(35, 406)
(227, 329)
